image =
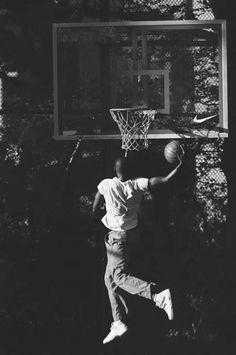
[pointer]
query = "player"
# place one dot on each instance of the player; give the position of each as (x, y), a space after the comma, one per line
(123, 197)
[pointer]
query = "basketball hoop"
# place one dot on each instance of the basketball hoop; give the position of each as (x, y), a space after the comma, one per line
(133, 124)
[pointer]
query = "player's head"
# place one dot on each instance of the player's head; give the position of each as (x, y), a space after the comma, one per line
(122, 168)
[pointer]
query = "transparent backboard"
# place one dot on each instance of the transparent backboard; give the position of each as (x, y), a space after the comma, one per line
(177, 68)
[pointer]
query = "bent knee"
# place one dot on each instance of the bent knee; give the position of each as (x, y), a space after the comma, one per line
(126, 281)
(119, 276)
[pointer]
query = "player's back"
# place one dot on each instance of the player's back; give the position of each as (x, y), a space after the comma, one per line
(122, 201)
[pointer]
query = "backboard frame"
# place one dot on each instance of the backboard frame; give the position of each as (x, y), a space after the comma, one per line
(162, 25)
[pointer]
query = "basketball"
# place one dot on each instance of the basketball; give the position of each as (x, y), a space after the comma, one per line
(171, 151)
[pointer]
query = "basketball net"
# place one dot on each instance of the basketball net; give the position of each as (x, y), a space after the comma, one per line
(133, 124)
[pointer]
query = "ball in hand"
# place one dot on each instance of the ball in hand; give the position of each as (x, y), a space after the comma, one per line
(171, 151)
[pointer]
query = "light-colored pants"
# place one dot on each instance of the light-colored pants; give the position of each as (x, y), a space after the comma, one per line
(121, 248)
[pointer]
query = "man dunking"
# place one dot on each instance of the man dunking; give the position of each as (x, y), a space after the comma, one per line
(123, 197)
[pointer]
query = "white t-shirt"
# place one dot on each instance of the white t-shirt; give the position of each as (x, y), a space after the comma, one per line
(122, 202)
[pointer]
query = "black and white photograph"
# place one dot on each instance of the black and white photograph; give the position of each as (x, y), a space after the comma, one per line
(117, 177)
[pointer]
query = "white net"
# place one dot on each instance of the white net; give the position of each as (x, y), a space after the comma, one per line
(133, 124)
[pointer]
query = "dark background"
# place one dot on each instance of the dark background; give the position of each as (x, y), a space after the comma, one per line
(52, 258)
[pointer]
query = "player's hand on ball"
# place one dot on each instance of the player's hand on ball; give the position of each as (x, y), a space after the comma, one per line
(173, 152)
(180, 154)
(182, 151)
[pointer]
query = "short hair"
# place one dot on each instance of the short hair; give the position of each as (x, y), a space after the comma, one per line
(123, 167)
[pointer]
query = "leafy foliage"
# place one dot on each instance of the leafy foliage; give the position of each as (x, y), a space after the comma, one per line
(51, 261)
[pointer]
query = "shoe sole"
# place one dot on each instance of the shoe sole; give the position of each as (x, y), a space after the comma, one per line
(117, 336)
(169, 298)
(171, 316)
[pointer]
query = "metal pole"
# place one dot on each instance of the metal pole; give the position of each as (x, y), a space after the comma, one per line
(189, 9)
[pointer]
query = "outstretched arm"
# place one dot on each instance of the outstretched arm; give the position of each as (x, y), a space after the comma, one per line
(160, 180)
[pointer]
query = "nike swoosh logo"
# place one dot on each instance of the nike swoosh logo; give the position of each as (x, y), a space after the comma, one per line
(201, 120)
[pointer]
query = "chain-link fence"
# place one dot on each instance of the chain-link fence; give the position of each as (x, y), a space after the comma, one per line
(40, 203)
(22, 114)
(164, 9)
(198, 202)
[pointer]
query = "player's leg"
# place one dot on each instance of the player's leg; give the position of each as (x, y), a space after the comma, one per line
(118, 304)
(120, 248)
(119, 307)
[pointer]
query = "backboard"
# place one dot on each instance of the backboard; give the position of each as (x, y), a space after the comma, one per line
(177, 68)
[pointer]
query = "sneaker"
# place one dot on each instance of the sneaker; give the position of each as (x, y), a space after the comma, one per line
(163, 301)
(118, 328)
